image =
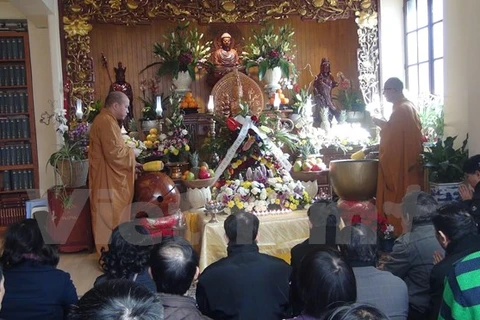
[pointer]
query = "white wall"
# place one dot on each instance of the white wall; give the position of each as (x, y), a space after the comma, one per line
(462, 71)
(392, 44)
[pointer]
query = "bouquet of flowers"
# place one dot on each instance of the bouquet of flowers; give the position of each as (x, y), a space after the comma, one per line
(262, 191)
(184, 51)
(268, 49)
(350, 98)
(385, 229)
(171, 145)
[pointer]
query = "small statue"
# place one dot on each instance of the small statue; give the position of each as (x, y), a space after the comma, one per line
(323, 85)
(121, 85)
(225, 60)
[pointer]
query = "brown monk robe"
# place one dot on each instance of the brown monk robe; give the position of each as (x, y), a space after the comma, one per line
(399, 154)
(111, 171)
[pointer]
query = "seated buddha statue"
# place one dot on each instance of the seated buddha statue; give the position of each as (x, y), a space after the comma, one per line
(225, 59)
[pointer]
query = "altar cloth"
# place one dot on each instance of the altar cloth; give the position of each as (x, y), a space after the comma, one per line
(276, 236)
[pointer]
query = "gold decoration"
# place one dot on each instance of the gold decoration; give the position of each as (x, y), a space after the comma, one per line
(228, 5)
(79, 14)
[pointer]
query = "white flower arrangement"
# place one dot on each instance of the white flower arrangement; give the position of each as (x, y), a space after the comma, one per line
(263, 192)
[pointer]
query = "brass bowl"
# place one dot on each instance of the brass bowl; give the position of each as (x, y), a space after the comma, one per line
(354, 179)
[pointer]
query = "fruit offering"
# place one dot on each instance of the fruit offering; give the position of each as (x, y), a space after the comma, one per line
(281, 96)
(311, 164)
(188, 102)
(202, 172)
(152, 140)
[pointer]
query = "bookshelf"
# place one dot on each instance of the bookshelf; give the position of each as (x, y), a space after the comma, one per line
(18, 144)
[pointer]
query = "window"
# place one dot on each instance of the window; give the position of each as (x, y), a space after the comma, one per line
(424, 46)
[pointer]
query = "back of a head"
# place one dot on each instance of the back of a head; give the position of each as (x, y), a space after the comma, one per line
(355, 311)
(173, 264)
(472, 164)
(24, 240)
(420, 207)
(118, 300)
(128, 251)
(325, 279)
(241, 227)
(395, 84)
(358, 244)
(115, 97)
(324, 217)
(454, 221)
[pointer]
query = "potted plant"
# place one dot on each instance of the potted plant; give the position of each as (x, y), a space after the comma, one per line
(269, 49)
(444, 164)
(150, 92)
(350, 99)
(181, 54)
(430, 112)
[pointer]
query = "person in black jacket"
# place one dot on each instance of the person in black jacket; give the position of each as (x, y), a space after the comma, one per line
(322, 220)
(471, 193)
(246, 284)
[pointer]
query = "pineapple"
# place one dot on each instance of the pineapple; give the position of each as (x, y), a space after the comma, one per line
(194, 161)
(132, 128)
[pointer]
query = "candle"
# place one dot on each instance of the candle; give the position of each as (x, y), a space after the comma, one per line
(79, 111)
(276, 101)
(308, 108)
(210, 105)
(158, 108)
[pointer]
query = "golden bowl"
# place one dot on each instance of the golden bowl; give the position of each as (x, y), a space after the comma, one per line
(354, 179)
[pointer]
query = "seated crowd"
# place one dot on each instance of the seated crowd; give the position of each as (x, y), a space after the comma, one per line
(334, 274)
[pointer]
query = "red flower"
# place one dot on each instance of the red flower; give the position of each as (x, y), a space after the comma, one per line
(356, 219)
(232, 124)
(254, 118)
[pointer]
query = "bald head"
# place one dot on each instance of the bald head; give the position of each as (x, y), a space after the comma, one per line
(115, 97)
(393, 90)
(394, 83)
(117, 102)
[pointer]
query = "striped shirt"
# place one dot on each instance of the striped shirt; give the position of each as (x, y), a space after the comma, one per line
(461, 296)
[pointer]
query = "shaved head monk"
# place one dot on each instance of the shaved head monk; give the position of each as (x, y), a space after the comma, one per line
(399, 153)
(111, 170)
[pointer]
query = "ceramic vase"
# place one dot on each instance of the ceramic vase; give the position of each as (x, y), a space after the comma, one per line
(271, 79)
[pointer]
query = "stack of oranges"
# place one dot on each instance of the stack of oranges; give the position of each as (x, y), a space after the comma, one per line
(283, 99)
(188, 102)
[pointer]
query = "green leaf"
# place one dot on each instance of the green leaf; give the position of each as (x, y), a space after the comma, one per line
(262, 69)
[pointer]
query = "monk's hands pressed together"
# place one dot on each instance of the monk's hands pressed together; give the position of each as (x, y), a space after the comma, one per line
(465, 192)
(379, 122)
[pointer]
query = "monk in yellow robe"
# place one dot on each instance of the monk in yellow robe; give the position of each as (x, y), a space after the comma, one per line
(399, 154)
(111, 170)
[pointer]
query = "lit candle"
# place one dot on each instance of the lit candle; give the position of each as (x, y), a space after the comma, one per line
(308, 108)
(78, 110)
(158, 108)
(210, 105)
(276, 101)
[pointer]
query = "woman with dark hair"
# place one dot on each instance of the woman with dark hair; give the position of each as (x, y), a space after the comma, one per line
(355, 311)
(34, 287)
(128, 256)
(325, 281)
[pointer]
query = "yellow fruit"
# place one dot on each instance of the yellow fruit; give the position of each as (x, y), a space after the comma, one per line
(156, 165)
(152, 137)
(183, 104)
(153, 131)
(148, 144)
(188, 94)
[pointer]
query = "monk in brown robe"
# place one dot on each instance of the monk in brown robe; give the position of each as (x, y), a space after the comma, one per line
(399, 154)
(111, 171)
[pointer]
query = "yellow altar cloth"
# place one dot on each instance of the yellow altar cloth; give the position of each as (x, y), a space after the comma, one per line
(276, 236)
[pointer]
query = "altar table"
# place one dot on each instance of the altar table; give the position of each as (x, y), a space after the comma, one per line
(276, 236)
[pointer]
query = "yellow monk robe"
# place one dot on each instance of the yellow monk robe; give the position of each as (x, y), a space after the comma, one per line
(111, 177)
(399, 161)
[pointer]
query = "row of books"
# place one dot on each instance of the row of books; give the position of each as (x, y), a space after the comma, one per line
(12, 215)
(13, 101)
(12, 75)
(11, 155)
(11, 48)
(17, 179)
(14, 127)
